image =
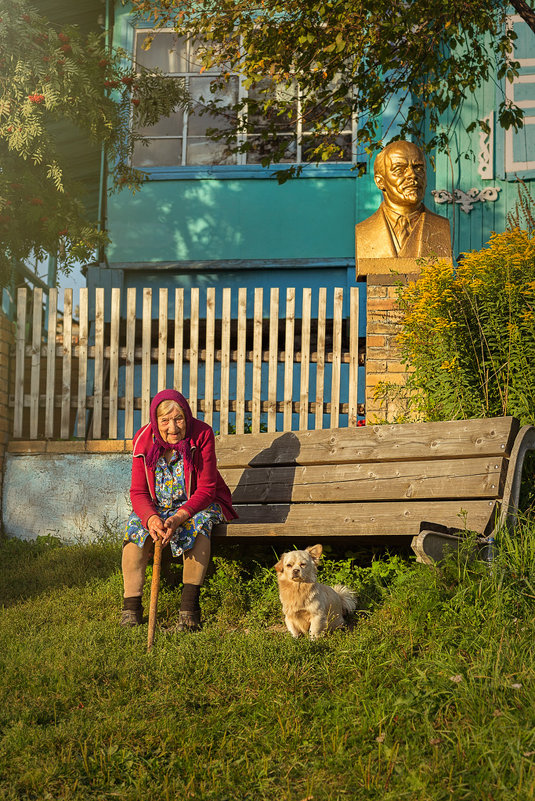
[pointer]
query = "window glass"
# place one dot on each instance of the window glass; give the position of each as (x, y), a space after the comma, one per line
(158, 153)
(166, 126)
(200, 90)
(297, 135)
(203, 151)
(167, 52)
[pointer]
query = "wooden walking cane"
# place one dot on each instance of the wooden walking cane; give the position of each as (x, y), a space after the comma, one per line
(154, 589)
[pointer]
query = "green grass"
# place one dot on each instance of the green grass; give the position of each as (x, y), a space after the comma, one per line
(428, 696)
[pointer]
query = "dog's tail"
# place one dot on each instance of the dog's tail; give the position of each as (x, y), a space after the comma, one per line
(347, 597)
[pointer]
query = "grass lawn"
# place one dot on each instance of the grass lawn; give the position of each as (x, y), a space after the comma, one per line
(429, 695)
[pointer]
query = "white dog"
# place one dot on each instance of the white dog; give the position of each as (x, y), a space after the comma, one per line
(307, 605)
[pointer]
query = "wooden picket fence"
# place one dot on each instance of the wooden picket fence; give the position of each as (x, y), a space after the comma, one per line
(261, 367)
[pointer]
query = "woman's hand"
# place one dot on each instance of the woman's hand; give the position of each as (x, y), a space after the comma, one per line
(156, 528)
(173, 522)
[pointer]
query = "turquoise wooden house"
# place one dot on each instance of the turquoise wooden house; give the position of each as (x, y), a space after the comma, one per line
(208, 221)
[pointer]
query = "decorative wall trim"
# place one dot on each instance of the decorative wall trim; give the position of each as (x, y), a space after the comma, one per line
(466, 200)
(485, 159)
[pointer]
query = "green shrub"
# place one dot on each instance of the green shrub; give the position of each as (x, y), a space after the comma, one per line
(469, 334)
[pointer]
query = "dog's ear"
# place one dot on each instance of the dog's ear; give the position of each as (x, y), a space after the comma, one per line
(279, 567)
(315, 551)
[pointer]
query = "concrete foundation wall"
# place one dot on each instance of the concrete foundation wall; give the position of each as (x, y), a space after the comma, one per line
(71, 494)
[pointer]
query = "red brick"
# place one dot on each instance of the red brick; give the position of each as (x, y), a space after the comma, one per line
(376, 292)
(382, 303)
(375, 340)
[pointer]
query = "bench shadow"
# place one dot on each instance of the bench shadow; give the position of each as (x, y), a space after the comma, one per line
(268, 482)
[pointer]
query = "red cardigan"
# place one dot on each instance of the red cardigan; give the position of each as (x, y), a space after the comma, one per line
(204, 484)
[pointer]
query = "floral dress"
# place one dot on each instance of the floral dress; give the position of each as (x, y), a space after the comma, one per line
(170, 489)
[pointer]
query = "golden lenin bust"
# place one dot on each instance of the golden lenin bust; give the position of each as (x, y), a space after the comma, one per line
(402, 229)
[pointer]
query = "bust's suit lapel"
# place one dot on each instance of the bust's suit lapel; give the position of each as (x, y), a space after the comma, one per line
(389, 246)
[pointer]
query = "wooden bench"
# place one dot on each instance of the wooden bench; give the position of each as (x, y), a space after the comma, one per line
(383, 481)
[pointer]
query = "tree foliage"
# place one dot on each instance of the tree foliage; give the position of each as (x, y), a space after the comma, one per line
(50, 79)
(351, 57)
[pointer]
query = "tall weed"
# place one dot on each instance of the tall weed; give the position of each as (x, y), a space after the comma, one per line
(469, 334)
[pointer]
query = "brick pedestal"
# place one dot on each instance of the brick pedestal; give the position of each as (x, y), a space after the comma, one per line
(7, 377)
(383, 358)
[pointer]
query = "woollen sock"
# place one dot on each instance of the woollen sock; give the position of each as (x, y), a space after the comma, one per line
(190, 598)
(133, 603)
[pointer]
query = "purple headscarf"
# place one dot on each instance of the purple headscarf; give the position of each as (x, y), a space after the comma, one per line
(159, 445)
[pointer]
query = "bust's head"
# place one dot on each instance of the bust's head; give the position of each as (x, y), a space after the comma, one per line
(400, 173)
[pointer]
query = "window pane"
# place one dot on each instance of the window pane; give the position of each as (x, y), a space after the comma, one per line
(198, 121)
(200, 150)
(265, 90)
(283, 149)
(309, 143)
(167, 52)
(166, 126)
(158, 153)
(194, 60)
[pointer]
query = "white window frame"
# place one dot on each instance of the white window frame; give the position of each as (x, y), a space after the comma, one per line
(512, 166)
(240, 157)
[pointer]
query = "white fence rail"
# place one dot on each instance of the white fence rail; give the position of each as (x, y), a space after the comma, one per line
(245, 361)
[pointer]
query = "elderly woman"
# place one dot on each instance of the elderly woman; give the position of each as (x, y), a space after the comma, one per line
(177, 496)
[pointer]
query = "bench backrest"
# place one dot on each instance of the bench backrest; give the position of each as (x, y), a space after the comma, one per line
(373, 480)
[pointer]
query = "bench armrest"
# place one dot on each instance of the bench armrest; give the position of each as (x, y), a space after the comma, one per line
(524, 442)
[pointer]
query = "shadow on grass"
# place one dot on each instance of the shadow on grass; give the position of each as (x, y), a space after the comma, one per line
(31, 568)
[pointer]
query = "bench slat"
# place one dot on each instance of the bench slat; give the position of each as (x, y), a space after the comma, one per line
(358, 519)
(457, 478)
(410, 441)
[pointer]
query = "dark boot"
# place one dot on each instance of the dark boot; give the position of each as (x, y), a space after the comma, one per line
(132, 614)
(189, 621)
(189, 617)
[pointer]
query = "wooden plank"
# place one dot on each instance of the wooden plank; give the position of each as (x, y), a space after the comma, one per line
(20, 343)
(337, 356)
(210, 357)
(51, 361)
(194, 350)
(35, 369)
(137, 403)
(352, 416)
(99, 363)
(225, 361)
(162, 338)
(305, 358)
(390, 519)
(257, 359)
(320, 357)
(115, 319)
(66, 365)
(444, 479)
(83, 337)
(384, 443)
(178, 355)
(202, 355)
(129, 362)
(289, 359)
(240, 360)
(146, 333)
(273, 358)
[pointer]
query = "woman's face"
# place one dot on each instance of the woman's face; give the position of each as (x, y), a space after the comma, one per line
(172, 425)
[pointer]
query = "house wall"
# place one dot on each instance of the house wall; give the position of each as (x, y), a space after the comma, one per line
(56, 500)
(235, 212)
(495, 161)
